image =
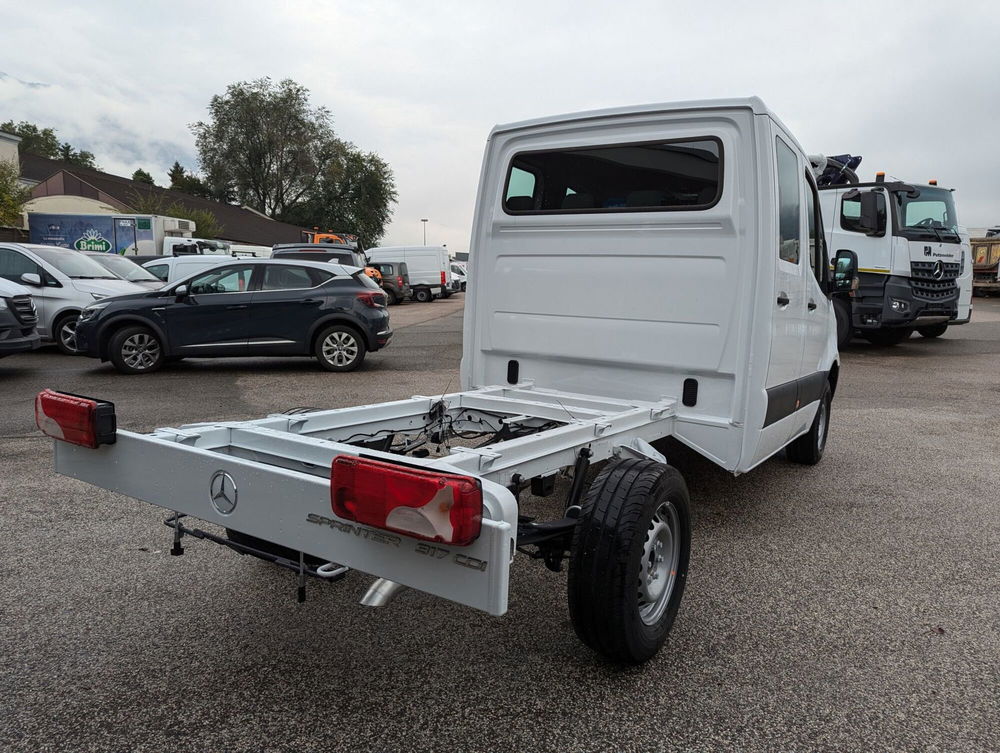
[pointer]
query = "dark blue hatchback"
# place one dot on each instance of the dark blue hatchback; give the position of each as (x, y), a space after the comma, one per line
(242, 308)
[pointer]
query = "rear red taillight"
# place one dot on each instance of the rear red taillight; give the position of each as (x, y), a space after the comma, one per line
(441, 507)
(444, 280)
(75, 419)
(374, 300)
(399, 281)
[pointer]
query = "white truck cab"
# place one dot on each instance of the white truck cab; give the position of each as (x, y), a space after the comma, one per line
(636, 273)
(913, 259)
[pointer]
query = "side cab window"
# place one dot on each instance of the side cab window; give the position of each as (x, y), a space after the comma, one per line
(13, 265)
(789, 204)
(819, 258)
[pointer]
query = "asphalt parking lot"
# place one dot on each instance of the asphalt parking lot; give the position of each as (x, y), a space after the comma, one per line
(854, 605)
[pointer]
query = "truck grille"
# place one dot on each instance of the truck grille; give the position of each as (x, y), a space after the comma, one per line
(934, 280)
(24, 309)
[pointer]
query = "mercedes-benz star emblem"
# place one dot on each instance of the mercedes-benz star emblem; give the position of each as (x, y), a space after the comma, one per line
(222, 490)
(938, 270)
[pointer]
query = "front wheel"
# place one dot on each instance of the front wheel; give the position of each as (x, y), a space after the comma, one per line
(808, 449)
(64, 333)
(935, 330)
(340, 348)
(629, 559)
(888, 335)
(136, 350)
(843, 314)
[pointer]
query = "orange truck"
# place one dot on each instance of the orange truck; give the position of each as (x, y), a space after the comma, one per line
(986, 266)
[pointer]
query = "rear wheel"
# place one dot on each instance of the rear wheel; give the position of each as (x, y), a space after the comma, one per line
(629, 559)
(935, 330)
(423, 295)
(391, 296)
(888, 335)
(340, 348)
(808, 449)
(136, 350)
(64, 333)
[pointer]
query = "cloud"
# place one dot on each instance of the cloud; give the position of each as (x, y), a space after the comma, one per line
(423, 83)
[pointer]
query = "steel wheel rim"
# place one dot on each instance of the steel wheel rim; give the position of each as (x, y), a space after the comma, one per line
(67, 334)
(140, 351)
(340, 348)
(661, 553)
(821, 434)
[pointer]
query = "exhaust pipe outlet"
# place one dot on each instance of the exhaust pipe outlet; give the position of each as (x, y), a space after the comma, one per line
(381, 592)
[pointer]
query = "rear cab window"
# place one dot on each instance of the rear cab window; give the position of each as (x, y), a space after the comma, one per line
(789, 204)
(681, 174)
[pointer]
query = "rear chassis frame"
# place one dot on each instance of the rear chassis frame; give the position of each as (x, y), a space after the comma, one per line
(280, 468)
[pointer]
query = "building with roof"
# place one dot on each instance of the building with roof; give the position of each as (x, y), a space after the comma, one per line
(59, 187)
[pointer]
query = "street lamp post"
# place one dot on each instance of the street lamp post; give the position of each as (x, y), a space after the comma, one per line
(425, 231)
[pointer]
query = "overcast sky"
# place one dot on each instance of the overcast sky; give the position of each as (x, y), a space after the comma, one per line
(913, 86)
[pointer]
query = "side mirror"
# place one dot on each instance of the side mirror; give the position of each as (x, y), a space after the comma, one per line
(845, 271)
(32, 278)
(872, 221)
(181, 292)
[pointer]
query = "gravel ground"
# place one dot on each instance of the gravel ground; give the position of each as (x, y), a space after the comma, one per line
(850, 606)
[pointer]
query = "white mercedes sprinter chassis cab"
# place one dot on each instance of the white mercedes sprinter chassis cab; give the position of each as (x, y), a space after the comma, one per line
(636, 273)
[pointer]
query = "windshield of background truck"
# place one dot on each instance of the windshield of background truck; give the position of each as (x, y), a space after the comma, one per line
(928, 217)
(74, 265)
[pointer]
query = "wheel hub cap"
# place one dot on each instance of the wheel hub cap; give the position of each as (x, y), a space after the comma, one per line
(658, 566)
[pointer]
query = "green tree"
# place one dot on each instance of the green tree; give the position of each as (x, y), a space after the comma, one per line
(265, 143)
(81, 158)
(153, 202)
(141, 176)
(13, 195)
(189, 183)
(41, 141)
(355, 194)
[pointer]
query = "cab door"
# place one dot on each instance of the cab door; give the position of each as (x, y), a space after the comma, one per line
(788, 309)
(819, 318)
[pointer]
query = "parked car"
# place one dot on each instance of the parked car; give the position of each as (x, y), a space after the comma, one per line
(17, 319)
(458, 276)
(263, 307)
(62, 282)
(126, 269)
(172, 268)
(395, 280)
(429, 268)
(347, 255)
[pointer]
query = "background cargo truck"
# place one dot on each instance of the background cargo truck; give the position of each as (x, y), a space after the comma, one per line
(910, 256)
(125, 234)
(721, 334)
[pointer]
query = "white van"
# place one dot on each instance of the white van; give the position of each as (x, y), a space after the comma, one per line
(171, 268)
(429, 268)
(62, 282)
(191, 246)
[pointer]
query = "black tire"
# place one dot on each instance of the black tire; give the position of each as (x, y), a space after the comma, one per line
(136, 350)
(464, 285)
(340, 348)
(844, 329)
(446, 294)
(808, 449)
(272, 548)
(888, 335)
(612, 552)
(390, 294)
(64, 333)
(935, 330)
(423, 295)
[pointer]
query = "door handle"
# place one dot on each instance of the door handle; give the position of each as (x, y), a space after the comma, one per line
(236, 307)
(783, 299)
(310, 301)
(811, 305)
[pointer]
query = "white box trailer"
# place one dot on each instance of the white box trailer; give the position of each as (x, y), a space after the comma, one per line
(637, 273)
